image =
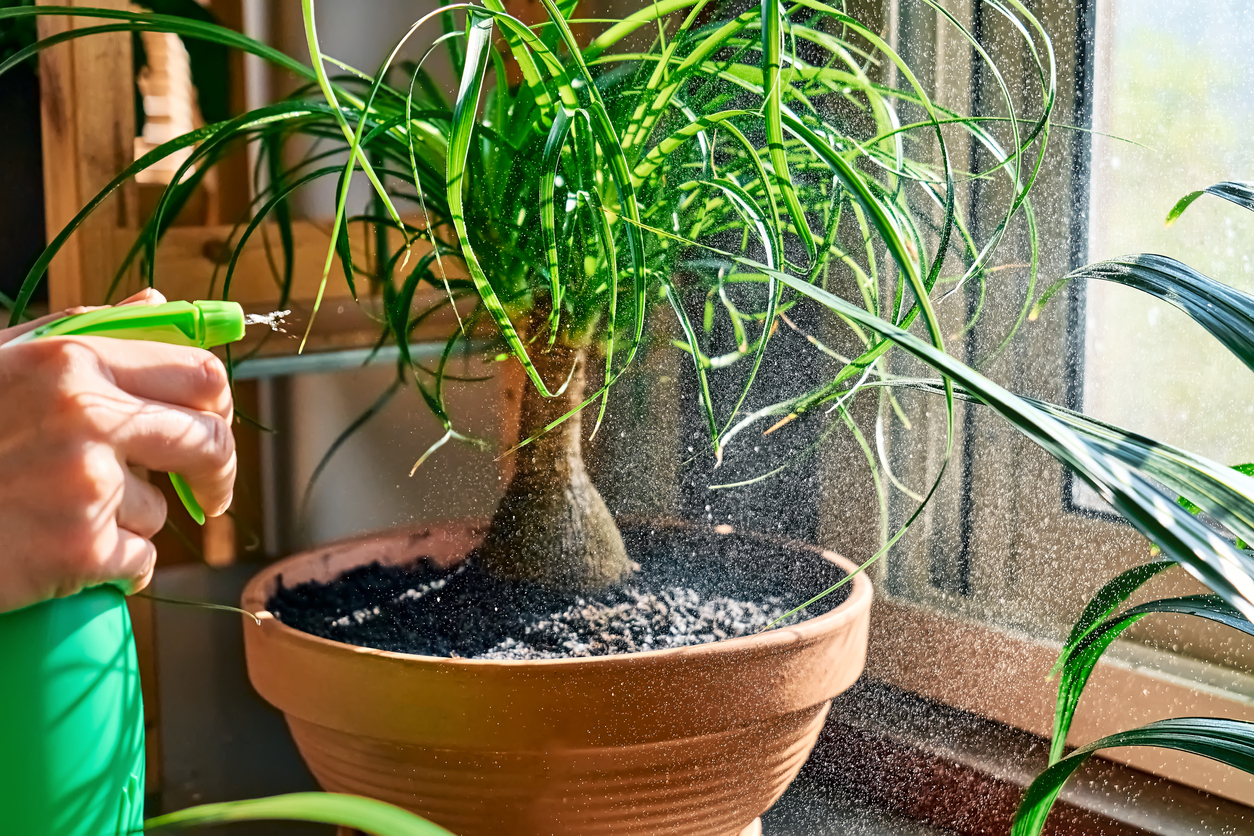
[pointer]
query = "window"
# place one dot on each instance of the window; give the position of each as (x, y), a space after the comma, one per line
(1008, 552)
(1176, 79)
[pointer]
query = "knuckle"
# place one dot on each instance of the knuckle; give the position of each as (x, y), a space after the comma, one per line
(213, 386)
(80, 549)
(73, 410)
(153, 516)
(69, 386)
(91, 474)
(101, 466)
(60, 355)
(160, 507)
(213, 379)
(221, 442)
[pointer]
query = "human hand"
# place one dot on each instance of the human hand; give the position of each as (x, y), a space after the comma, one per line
(76, 413)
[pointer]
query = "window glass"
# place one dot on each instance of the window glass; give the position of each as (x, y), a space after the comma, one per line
(1174, 82)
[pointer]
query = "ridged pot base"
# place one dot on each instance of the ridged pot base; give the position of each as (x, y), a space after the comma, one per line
(692, 741)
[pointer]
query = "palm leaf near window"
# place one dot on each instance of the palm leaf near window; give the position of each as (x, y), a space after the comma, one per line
(1221, 493)
(753, 156)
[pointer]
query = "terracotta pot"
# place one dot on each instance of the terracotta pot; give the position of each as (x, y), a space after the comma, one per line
(693, 740)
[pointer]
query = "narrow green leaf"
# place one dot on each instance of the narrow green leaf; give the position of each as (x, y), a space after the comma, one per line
(262, 116)
(1226, 493)
(1080, 662)
(479, 42)
(282, 216)
(356, 155)
(357, 423)
(1181, 537)
(1227, 741)
(772, 44)
(1108, 599)
(1242, 194)
(353, 811)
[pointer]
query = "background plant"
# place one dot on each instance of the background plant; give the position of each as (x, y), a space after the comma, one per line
(1227, 314)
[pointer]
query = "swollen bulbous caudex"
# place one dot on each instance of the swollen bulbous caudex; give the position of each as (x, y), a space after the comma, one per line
(552, 526)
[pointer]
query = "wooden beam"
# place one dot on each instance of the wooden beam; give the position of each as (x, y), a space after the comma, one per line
(88, 118)
(191, 262)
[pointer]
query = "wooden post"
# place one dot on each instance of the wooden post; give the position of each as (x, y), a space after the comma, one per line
(88, 104)
(86, 90)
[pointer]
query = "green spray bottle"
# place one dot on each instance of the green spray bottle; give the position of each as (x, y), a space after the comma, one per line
(71, 713)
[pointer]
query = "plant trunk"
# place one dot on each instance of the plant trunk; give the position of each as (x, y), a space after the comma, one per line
(552, 526)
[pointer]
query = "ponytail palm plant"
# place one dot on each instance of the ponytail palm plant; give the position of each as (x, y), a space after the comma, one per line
(748, 158)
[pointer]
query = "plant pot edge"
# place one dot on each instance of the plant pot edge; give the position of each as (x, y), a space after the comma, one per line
(259, 588)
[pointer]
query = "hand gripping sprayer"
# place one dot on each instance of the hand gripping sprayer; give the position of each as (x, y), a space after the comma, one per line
(71, 714)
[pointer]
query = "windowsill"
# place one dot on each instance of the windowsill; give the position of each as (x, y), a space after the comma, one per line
(899, 753)
(1000, 674)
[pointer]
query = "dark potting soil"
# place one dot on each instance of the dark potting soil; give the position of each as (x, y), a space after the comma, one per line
(694, 586)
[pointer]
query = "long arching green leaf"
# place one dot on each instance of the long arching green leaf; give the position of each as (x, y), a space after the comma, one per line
(767, 229)
(1213, 561)
(355, 157)
(262, 116)
(1080, 663)
(611, 146)
(353, 426)
(1229, 742)
(886, 223)
(1108, 599)
(553, 147)
(478, 44)
(182, 26)
(1224, 311)
(278, 199)
(353, 811)
(646, 15)
(1242, 194)
(1181, 537)
(772, 46)
(1226, 493)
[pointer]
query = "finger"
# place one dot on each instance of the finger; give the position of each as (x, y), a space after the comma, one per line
(142, 508)
(173, 374)
(197, 445)
(147, 296)
(130, 565)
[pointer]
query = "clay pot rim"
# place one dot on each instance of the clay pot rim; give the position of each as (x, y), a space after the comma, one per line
(859, 599)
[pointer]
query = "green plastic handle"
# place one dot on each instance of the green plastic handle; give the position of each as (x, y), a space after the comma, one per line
(184, 491)
(71, 707)
(202, 324)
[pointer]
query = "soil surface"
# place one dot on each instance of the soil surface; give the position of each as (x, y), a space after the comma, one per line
(693, 587)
